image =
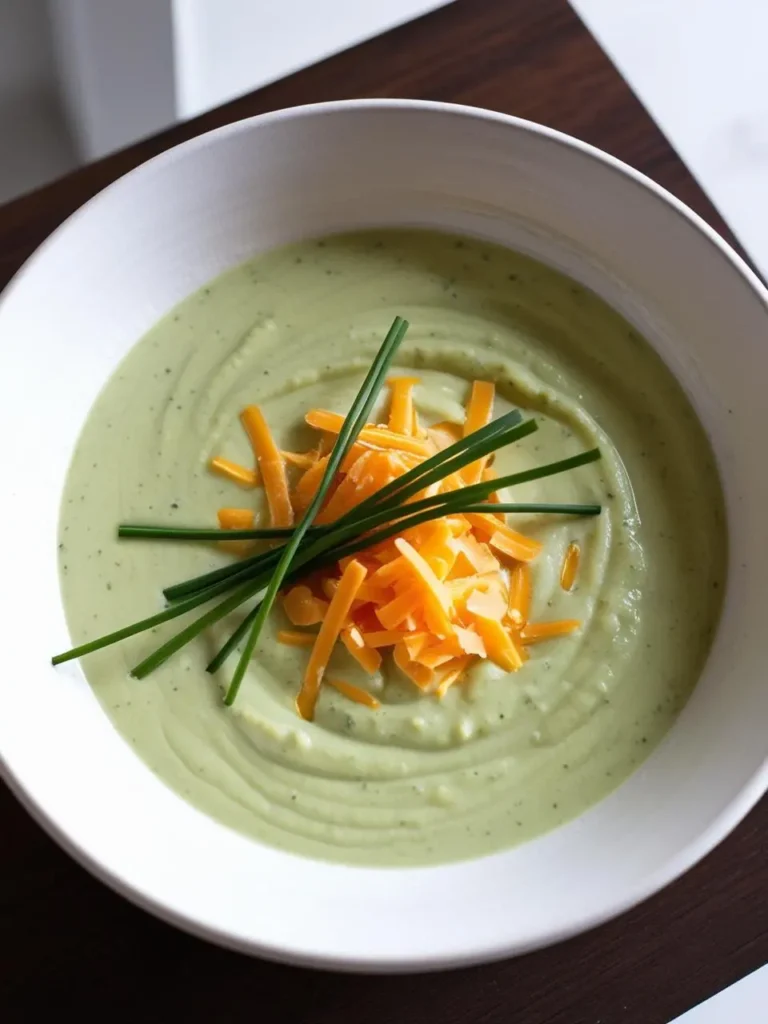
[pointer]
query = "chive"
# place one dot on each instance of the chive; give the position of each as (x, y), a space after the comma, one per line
(530, 508)
(339, 531)
(353, 423)
(420, 512)
(407, 488)
(551, 469)
(237, 569)
(227, 648)
(362, 542)
(135, 627)
(129, 531)
(497, 434)
(393, 529)
(202, 533)
(475, 492)
(163, 653)
(500, 433)
(442, 504)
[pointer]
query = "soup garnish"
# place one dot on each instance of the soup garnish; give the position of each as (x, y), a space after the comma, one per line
(441, 580)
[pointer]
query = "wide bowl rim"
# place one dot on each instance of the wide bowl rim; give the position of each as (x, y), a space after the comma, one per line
(695, 851)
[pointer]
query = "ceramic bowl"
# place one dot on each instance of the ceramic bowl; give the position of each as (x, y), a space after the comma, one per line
(108, 273)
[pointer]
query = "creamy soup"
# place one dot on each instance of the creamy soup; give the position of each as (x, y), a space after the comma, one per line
(503, 757)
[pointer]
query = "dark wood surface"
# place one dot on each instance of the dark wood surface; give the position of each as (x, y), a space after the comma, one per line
(68, 943)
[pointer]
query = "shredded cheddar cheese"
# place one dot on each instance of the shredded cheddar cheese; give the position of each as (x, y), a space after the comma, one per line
(307, 486)
(237, 519)
(451, 673)
(303, 608)
(367, 657)
(271, 465)
(401, 409)
(233, 471)
(383, 637)
(443, 435)
(331, 627)
(534, 633)
(570, 567)
(379, 437)
(505, 539)
(293, 638)
(354, 693)
(519, 595)
(304, 460)
(432, 601)
(479, 414)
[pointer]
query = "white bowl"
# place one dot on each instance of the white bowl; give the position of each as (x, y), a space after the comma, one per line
(156, 235)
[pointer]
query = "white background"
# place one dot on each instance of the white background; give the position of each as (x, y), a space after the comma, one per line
(701, 69)
(34, 143)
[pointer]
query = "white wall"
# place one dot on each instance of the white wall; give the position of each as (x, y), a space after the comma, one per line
(701, 69)
(35, 146)
(225, 48)
(115, 60)
(26, 51)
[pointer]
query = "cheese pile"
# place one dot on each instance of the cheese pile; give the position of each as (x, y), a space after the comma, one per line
(436, 598)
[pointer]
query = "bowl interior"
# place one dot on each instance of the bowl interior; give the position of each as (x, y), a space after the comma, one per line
(152, 238)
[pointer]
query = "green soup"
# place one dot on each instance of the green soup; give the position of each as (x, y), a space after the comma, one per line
(503, 757)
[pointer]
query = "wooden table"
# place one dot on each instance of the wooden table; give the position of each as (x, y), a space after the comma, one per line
(71, 944)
